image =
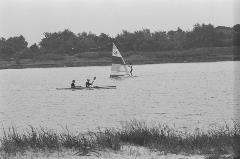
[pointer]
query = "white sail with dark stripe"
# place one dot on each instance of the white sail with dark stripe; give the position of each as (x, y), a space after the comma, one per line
(119, 67)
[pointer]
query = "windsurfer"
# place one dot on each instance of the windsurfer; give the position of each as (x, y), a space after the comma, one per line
(131, 69)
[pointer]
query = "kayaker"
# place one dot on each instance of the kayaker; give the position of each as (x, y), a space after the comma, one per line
(131, 69)
(73, 84)
(88, 84)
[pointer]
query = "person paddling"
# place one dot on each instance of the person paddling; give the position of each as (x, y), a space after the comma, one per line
(73, 84)
(88, 84)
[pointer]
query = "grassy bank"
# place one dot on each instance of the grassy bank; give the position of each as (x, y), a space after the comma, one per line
(211, 54)
(214, 143)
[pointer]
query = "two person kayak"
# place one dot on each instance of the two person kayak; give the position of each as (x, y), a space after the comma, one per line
(88, 86)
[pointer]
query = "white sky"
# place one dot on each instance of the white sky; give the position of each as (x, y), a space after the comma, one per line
(32, 18)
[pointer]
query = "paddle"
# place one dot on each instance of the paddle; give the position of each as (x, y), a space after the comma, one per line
(93, 80)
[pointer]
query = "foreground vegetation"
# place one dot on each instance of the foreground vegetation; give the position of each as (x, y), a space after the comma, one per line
(223, 141)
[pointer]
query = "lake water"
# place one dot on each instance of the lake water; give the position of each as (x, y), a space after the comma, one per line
(190, 95)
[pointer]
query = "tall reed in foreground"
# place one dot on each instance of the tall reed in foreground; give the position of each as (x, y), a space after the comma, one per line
(158, 138)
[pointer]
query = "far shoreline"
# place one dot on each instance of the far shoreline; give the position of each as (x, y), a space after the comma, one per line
(97, 64)
(197, 55)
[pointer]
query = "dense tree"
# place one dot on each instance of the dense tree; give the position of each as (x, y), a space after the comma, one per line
(104, 42)
(34, 48)
(86, 42)
(67, 43)
(176, 38)
(224, 36)
(12, 46)
(160, 41)
(59, 43)
(236, 33)
(201, 36)
(28, 53)
(125, 41)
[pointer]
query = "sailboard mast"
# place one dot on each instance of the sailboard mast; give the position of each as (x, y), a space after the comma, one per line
(118, 64)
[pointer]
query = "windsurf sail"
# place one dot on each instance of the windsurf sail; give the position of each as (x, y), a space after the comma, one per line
(118, 67)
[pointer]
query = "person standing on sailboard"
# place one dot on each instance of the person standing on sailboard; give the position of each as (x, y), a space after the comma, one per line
(131, 69)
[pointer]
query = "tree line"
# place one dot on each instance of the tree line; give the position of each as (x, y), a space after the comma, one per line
(68, 43)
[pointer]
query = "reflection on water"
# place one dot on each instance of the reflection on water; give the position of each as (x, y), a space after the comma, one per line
(237, 91)
(185, 95)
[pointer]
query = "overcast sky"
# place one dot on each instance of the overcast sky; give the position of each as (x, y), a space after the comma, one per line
(32, 18)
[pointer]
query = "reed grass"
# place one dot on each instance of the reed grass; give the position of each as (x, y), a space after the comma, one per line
(158, 138)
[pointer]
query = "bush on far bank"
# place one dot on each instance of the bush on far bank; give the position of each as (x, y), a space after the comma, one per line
(49, 56)
(90, 55)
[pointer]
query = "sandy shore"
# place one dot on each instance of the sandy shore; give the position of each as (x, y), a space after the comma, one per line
(126, 152)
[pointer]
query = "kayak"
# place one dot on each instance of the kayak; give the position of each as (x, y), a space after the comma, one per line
(88, 88)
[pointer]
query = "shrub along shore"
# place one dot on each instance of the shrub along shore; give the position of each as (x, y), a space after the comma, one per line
(218, 142)
(103, 58)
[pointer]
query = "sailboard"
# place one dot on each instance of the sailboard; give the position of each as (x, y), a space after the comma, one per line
(119, 67)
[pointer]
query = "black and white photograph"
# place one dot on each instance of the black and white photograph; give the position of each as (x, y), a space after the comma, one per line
(119, 79)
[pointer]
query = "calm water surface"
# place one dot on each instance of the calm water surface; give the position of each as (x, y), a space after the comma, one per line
(187, 95)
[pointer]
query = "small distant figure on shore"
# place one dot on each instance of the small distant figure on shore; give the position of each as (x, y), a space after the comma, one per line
(88, 84)
(131, 68)
(73, 84)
